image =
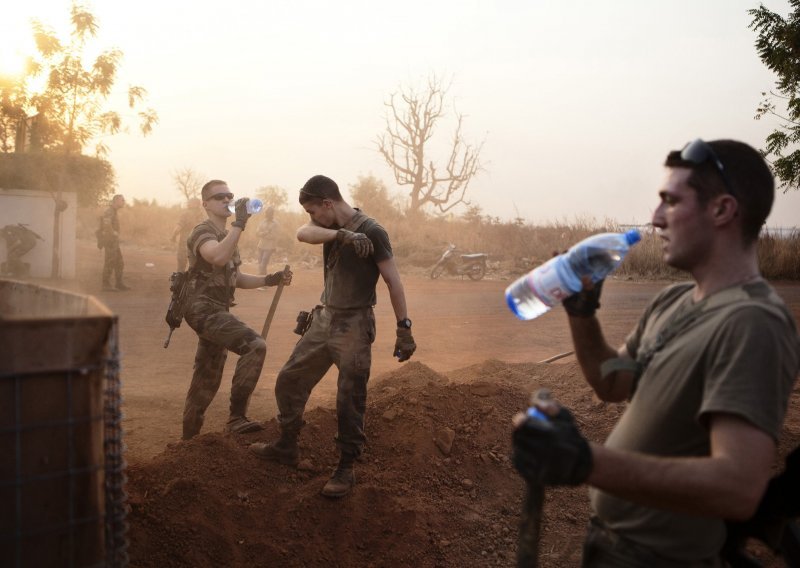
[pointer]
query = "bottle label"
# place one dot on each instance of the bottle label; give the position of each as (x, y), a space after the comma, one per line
(546, 283)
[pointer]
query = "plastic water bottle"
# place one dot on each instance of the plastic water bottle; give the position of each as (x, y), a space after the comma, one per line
(253, 206)
(560, 277)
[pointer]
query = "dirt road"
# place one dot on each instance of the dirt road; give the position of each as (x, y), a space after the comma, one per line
(456, 323)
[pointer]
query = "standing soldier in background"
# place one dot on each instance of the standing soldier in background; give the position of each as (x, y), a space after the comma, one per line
(108, 239)
(189, 219)
(356, 250)
(213, 276)
(267, 232)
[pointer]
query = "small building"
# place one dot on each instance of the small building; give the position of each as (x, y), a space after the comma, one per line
(36, 210)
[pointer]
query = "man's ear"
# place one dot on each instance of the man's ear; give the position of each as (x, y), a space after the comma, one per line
(725, 208)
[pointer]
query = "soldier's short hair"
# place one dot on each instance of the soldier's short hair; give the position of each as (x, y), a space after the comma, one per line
(320, 187)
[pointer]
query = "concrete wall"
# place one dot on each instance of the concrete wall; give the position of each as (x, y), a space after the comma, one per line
(36, 209)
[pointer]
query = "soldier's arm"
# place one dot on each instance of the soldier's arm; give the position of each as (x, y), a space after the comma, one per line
(219, 253)
(397, 294)
(591, 351)
(314, 234)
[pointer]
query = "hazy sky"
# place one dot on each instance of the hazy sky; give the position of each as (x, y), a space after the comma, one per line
(578, 101)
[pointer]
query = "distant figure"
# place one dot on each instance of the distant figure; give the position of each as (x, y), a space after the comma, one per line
(267, 232)
(189, 219)
(108, 239)
(19, 240)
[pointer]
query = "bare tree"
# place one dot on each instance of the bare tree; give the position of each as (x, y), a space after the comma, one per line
(188, 182)
(411, 119)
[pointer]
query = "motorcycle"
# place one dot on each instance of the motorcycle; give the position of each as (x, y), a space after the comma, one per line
(473, 265)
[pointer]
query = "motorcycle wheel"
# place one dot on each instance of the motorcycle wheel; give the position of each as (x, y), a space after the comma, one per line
(436, 271)
(477, 272)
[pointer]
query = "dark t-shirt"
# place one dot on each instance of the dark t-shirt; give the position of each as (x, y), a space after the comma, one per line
(214, 282)
(349, 280)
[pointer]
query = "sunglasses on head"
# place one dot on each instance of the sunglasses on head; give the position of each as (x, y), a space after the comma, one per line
(221, 196)
(699, 152)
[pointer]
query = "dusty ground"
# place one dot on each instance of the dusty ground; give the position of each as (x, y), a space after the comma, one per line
(208, 503)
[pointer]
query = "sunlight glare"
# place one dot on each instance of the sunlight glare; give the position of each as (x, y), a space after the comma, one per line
(16, 34)
(17, 46)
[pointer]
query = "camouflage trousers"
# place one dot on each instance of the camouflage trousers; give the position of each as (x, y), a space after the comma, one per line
(336, 337)
(113, 263)
(219, 331)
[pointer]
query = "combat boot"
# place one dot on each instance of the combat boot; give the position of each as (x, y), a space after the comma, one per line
(238, 423)
(191, 427)
(242, 425)
(342, 480)
(284, 450)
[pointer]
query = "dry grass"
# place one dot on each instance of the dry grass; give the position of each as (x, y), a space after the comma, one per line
(513, 247)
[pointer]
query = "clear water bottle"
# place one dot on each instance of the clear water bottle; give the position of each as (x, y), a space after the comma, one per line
(253, 206)
(560, 277)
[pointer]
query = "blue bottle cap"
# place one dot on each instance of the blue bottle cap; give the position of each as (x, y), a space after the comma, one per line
(632, 237)
(536, 414)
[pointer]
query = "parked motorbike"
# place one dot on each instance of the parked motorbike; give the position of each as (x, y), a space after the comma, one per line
(472, 265)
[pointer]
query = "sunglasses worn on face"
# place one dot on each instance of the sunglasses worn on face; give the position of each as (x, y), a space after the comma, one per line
(699, 152)
(221, 196)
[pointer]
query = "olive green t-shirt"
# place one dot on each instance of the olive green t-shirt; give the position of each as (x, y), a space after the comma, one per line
(740, 356)
(349, 280)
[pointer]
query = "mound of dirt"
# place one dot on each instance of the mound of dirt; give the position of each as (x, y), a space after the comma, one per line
(435, 486)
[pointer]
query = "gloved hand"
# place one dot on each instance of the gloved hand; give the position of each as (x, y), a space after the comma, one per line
(241, 213)
(276, 277)
(585, 303)
(360, 242)
(551, 452)
(404, 347)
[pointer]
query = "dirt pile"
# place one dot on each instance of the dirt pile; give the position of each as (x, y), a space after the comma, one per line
(435, 487)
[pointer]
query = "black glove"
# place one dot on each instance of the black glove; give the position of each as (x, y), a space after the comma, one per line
(241, 213)
(584, 303)
(404, 347)
(360, 242)
(277, 277)
(551, 452)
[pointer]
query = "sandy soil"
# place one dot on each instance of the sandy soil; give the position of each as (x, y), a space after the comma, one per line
(208, 503)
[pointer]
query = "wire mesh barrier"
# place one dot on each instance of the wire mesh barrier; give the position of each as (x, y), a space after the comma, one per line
(62, 479)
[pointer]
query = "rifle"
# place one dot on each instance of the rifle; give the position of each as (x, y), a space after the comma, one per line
(178, 285)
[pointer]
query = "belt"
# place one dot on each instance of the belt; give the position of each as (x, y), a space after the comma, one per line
(335, 309)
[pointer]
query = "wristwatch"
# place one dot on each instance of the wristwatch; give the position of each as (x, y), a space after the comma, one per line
(404, 323)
